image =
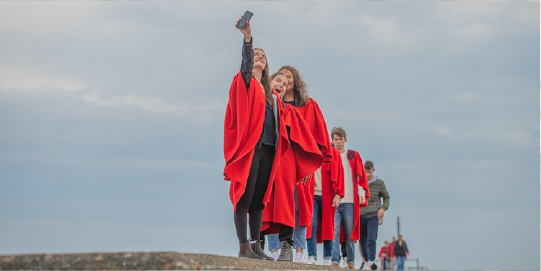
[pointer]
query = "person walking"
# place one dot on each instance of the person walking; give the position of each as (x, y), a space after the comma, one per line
(371, 215)
(401, 252)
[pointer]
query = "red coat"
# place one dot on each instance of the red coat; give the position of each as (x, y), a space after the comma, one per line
(242, 128)
(316, 123)
(332, 183)
(359, 178)
(301, 159)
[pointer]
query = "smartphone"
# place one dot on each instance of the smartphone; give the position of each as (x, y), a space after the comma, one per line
(244, 19)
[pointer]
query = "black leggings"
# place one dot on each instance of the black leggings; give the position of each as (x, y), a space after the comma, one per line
(251, 201)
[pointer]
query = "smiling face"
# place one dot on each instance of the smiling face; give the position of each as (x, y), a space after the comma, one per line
(260, 59)
(290, 80)
(279, 83)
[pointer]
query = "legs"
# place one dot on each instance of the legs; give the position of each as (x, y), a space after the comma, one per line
(343, 215)
(252, 200)
(371, 236)
(399, 262)
(362, 242)
(312, 241)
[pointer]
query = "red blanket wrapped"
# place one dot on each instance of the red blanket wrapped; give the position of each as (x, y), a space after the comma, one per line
(242, 128)
(332, 183)
(301, 159)
(359, 175)
(316, 123)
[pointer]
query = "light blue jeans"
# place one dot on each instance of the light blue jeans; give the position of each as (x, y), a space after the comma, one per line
(344, 216)
(400, 262)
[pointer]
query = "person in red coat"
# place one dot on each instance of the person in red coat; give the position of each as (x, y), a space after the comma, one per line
(255, 138)
(329, 183)
(347, 216)
(297, 96)
(301, 159)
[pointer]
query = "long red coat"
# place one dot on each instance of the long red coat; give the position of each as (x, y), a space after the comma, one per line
(332, 184)
(359, 178)
(301, 159)
(242, 128)
(318, 128)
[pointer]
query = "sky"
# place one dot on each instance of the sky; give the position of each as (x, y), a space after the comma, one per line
(111, 117)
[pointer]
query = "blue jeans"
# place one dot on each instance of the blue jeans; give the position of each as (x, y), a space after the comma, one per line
(344, 216)
(400, 262)
(312, 241)
(274, 242)
(369, 234)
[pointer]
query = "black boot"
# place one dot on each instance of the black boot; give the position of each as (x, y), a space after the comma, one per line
(257, 249)
(247, 252)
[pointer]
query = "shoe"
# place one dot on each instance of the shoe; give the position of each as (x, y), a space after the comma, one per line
(351, 266)
(286, 255)
(374, 266)
(275, 254)
(367, 265)
(299, 258)
(334, 264)
(257, 249)
(326, 262)
(362, 265)
(312, 260)
(247, 252)
(344, 262)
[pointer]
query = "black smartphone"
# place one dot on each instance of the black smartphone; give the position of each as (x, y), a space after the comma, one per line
(244, 19)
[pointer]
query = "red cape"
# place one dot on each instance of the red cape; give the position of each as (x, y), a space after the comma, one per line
(316, 123)
(301, 159)
(332, 183)
(242, 128)
(359, 175)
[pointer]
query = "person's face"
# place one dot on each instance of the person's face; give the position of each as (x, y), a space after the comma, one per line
(260, 59)
(279, 83)
(290, 80)
(339, 141)
(370, 174)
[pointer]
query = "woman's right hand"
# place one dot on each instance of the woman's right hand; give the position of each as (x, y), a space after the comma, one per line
(246, 31)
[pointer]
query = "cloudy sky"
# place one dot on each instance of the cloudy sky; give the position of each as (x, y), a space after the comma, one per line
(111, 117)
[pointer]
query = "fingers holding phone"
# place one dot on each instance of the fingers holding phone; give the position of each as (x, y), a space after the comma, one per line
(243, 25)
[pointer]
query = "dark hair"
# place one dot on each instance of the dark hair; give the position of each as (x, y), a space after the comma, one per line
(368, 165)
(339, 131)
(265, 82)
(299, 86)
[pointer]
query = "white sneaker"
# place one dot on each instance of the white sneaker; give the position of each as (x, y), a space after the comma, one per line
(299, 258)
(367, 265)
(311, 260)
(327, 262)
(275, 254)
(344, 262)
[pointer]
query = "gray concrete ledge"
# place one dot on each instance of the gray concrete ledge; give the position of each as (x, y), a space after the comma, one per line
(144, 261)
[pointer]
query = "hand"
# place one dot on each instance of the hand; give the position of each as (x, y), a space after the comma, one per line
(380, 213)
(306, 179)
(380, 222)
(336, 201)
(246, 31)
(362, 199)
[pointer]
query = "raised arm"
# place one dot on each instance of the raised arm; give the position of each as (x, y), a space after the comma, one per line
(247, 64)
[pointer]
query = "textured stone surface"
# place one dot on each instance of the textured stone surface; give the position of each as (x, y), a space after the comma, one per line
(144, 260)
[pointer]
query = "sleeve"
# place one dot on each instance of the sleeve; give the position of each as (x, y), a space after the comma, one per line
(386, 198)
(247, 64)
(361, 191)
